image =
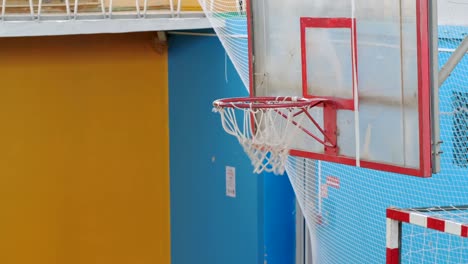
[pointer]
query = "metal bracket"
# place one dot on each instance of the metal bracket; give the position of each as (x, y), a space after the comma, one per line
(330, 128)
(453, 61)
(438, 78)
(160, 42)
(162, 37)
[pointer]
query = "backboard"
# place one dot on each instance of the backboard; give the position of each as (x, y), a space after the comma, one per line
(371, 58)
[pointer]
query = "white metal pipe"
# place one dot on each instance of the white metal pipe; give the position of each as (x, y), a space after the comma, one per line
(3, 9)
(31, 9)
(67, 6)
(103, 8)
(145, 8)
(179, 7)
(449, 50)
(319, 177)
(171, 5)
(357, 123)
(110, 8)
(137, 6)
(75, 10)
(236, 36)
(192, 34)
(88, 24)
(39, 9)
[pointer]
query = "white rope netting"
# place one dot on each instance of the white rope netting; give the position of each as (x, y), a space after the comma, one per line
(264, 133)
(344, 206)
(228, 18)
(424, 245)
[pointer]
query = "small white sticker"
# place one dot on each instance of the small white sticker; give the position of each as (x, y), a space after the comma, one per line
(324, 191)
(230, 181)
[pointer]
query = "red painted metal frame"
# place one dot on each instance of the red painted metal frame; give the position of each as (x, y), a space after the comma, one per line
(267, 102)
(279, 103)
(423, 38)
(435, 223)
(313, 22)
(331, 130)
(424, 88)
(393, 256)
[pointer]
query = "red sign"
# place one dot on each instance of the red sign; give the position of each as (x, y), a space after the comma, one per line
(333, 182)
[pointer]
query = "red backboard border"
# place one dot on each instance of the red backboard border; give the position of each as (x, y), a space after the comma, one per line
(423, 41)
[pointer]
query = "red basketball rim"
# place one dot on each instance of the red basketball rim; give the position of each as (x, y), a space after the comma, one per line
(268, 102)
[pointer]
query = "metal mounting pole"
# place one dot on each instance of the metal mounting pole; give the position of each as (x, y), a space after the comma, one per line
(434, 60)
(453, 61)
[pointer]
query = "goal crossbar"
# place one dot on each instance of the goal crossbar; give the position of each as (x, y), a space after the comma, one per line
(427, 217)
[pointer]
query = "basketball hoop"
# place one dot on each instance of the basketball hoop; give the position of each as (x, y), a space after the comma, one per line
(266, 126)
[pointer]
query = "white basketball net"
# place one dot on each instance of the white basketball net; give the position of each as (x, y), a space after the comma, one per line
(264, 133)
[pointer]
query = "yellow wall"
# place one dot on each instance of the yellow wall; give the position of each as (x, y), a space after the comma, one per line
(186, 5)
(191, 5)
(83, 151)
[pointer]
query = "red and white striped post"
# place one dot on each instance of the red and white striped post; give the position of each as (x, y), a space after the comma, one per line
(393, 241)
(395, 218)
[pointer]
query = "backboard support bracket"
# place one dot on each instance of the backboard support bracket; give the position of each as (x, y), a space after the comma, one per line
(330, 128)
(438, 79)
(453, 61)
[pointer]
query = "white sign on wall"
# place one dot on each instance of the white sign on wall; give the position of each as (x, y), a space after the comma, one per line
(230, 181)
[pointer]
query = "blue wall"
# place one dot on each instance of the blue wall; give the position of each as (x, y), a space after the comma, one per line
(207, 227)
(280, 220)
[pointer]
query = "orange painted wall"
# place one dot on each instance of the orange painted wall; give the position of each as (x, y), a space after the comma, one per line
(83, 151)
(191, 5)
(186, 5)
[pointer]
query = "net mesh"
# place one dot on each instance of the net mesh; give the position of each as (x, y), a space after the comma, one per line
(427, 246)
(345, 206)
(423, 245)
(228, 19)
(265, 133)
(351, 209)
